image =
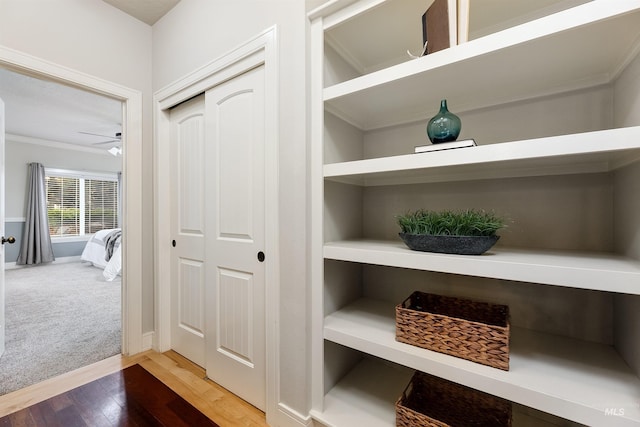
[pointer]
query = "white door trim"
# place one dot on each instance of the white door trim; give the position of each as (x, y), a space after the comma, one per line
(261, 50)
(132, 185)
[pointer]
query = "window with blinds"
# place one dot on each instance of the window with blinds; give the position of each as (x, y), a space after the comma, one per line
(79, 204)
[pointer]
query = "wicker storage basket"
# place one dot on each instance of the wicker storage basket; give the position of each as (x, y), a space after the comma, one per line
(429, 401)
(471, 330)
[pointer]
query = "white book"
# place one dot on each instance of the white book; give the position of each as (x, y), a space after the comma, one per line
(445, 146)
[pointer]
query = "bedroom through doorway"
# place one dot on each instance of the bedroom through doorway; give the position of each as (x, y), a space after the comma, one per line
(65, 314)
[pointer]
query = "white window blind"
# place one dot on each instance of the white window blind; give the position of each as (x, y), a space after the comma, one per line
(79, 203)
(63, 205)
(101, 205)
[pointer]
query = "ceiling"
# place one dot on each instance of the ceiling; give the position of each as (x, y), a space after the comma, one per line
(147, 11)
(53, 112)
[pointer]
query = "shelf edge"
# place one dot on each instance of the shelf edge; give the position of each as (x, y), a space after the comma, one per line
(556, 268)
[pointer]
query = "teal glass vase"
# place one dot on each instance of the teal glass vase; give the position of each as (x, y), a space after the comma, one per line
(444, 126)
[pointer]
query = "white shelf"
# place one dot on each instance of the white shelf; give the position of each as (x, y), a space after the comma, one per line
(588, 152)
(367, 394)
(572, 379)
(363, 46)
(378, 49)
(600, 37)
(583, 270)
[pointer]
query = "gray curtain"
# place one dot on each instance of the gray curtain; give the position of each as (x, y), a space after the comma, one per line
(35, 247)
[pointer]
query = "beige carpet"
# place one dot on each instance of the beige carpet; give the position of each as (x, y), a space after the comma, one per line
(59, 317)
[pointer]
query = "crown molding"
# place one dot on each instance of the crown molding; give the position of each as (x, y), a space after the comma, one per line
(53, 144)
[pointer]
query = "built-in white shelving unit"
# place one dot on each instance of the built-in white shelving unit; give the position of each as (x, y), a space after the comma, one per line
(367, 394)
(599, 271)
(577, 378)
(566, 154)
(553, 104)
(518, 63)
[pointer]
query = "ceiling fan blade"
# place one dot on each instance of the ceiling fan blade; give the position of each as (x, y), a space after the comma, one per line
(106, 142)
(117, 135)
(95, 134)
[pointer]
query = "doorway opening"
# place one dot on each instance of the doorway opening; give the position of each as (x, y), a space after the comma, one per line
(64, 314)
(132, 241)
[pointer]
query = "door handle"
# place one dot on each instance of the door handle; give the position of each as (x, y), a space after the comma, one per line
(11, 240)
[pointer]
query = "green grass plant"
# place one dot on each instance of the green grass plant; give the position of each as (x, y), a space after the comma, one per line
(454, 223)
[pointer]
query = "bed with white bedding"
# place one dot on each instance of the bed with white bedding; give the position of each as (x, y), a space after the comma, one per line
(104, 251)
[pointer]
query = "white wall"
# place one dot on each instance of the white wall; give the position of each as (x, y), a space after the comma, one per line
(312, 4)
(627, 214)
(626, 95)
(627, 113)
(193, 34)
(92, 37)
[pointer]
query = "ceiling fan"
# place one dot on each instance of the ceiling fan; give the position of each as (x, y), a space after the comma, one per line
(116, 149)
(116, 138)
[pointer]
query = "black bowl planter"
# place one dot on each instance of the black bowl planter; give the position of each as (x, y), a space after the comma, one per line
(448, 244)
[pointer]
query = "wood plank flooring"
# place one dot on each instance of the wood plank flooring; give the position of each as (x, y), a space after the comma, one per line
(179, 374)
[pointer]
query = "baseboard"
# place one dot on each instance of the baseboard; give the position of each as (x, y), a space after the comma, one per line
(147, 341)
(61, 260)
(66, 259)
(290, 417)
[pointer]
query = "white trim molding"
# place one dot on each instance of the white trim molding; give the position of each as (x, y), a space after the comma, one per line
(294, 416)
(59, 260)
(71, 239)
(103, 176)
(54, 144)
(261, 50)
(147, 341)
(132, 177)
(15, 219)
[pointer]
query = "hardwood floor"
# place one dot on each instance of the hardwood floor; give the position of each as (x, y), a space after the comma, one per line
(178, 373)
